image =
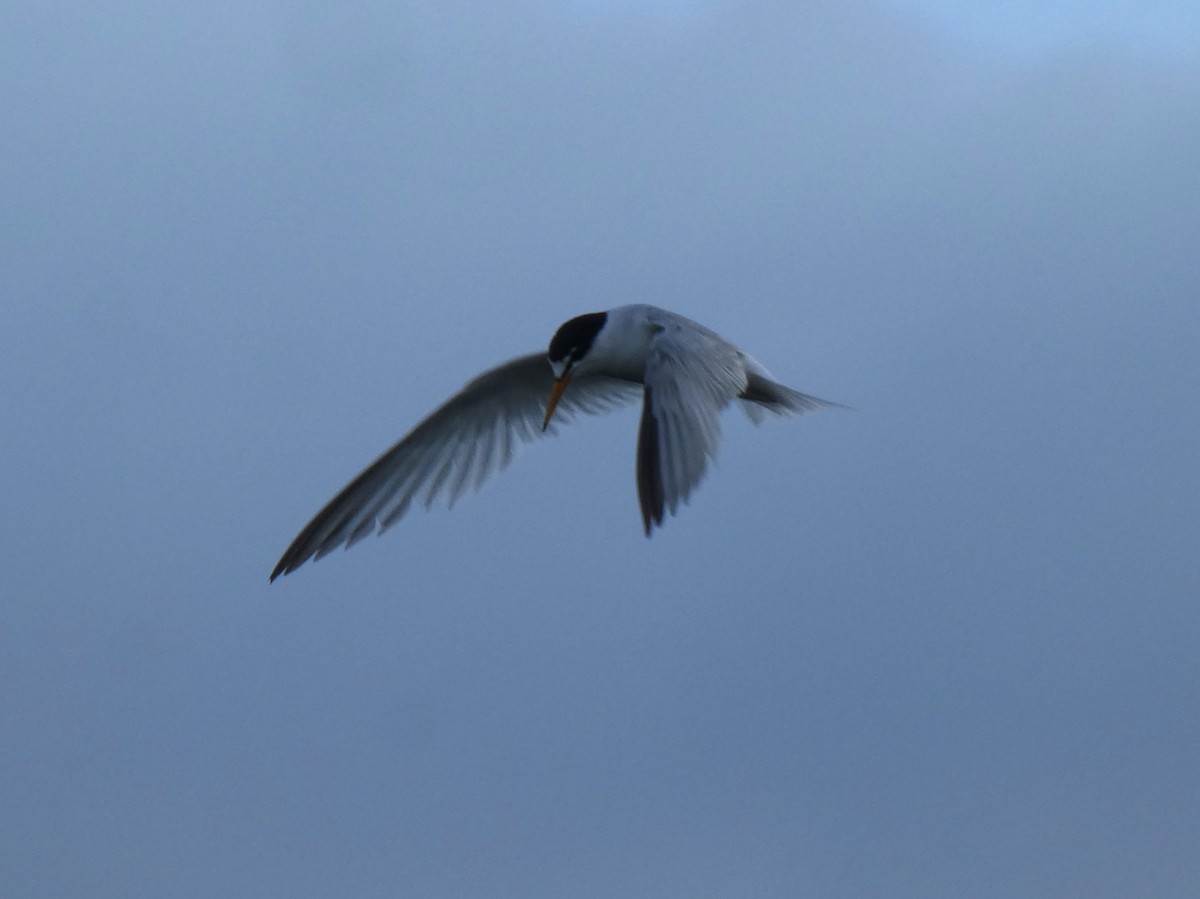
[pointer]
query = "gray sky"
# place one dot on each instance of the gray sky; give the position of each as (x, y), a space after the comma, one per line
(943, 645)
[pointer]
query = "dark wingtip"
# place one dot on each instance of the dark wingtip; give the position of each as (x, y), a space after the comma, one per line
(286, 565)
(649, 467)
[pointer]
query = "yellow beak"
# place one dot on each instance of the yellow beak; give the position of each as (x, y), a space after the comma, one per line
(560, 384)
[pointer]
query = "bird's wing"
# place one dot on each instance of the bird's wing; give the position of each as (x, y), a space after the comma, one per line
(691, 374)
(472, 435)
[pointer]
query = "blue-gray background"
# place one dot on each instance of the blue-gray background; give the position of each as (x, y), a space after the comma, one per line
(943, 645)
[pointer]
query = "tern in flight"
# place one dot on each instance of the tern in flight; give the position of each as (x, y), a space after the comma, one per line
(685, 374)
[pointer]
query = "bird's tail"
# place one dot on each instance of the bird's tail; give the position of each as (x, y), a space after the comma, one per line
(762, 395)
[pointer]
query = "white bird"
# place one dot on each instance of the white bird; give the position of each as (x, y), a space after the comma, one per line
(686, 374)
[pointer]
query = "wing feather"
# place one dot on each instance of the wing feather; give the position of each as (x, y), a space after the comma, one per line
(649, 466)
(691, 375)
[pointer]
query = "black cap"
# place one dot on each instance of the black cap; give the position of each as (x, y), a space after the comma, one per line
(575, 337)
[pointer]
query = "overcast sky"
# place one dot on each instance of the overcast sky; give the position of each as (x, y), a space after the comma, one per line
(943, 645)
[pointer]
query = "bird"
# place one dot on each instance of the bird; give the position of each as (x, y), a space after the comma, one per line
(684, 372)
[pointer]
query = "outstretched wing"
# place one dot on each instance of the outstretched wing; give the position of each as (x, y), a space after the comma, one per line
(457, 447)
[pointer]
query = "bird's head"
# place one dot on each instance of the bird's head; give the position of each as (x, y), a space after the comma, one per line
(568, 347)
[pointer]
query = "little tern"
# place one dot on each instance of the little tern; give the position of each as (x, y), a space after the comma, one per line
(685, 373)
